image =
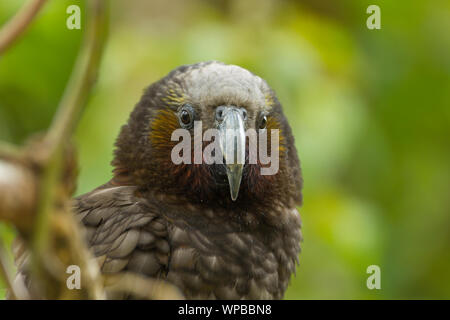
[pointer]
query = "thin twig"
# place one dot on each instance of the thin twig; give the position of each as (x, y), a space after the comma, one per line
(9, 151)
(83, 77)
(54, 229)
(5, 271)
(17, 25)
(69, 110)
(17, 290)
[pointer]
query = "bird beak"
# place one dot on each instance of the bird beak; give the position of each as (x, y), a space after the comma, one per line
(232, 146)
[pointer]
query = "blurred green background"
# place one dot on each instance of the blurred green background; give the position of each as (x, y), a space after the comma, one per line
(370, 111)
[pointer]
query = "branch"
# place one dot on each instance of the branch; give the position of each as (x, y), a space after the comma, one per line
(72, 104)
(17, 25)
(9, 151)
(17, 288)
(17, 194)
(35, 194)
(82, 79)
(71, 107)
(64, 122)
(36, 184)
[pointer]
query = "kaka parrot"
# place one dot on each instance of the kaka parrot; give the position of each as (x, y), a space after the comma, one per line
(214, 231)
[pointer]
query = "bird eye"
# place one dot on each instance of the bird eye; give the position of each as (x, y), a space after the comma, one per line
(263, 122)
(186, 116)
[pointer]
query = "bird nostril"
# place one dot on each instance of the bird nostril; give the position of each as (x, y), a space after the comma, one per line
(219, 113)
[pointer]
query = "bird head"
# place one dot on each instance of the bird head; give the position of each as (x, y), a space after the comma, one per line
(196, 98)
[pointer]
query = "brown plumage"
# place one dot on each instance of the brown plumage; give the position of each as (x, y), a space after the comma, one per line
(179, 222)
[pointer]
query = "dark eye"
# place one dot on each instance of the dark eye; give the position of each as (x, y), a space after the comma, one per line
(263, 122)
(186, 115)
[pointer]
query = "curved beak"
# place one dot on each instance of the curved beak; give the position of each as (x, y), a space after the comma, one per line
(232, 146)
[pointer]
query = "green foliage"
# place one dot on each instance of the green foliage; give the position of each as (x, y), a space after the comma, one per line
(369, 110)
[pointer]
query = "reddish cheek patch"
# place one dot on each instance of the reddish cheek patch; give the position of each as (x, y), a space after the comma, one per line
(258, 183)
(194, 176)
